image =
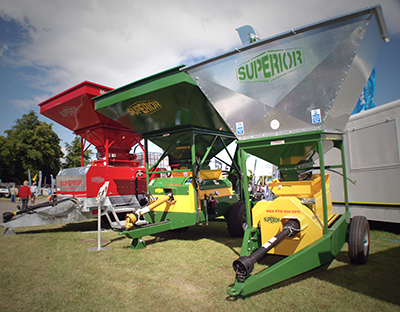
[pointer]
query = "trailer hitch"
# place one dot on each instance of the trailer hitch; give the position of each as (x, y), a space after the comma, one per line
(245, 265)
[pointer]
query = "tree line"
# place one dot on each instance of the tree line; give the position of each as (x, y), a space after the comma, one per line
(32, 145)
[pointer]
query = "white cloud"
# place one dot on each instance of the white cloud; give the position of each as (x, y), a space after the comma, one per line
(28, 104)
(115, 43)
(3, 48)
(24, 104)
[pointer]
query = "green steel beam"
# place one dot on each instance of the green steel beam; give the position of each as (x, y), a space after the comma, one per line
(346, 194)
(167, 152)
(242, 161)
(208, 151)
(146, 145)
(323, 184)
(321, 252)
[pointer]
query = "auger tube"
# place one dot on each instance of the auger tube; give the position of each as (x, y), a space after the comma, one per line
(7, 216)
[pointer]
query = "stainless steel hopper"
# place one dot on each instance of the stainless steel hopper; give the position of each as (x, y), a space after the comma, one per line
(287, 100)
(304, 80)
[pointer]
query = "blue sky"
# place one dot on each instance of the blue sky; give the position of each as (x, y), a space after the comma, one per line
(49, 46)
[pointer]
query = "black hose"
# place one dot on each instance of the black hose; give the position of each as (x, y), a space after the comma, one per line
(137, 187)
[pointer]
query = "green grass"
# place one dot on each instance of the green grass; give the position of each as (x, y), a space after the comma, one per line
(50, 269)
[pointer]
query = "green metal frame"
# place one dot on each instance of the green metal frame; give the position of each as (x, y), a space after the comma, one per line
(191, 132)
(167, 220)
(322, 251)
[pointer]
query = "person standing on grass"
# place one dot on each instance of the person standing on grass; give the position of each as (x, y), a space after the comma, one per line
(34, 190)
(13, 193)
(24, 194)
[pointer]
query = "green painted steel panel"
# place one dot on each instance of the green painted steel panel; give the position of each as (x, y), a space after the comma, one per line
(224, 204)
(159, 223)
(148, 230)
(177, 219)
(339, 233)
(167, 101)
(203, 140)
(162, 107)
(302, 261)
(285, 149)
(177, 185)
(214, 184)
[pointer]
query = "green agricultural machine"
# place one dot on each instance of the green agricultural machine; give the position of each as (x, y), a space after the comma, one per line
(169, 110)
(288, 99)
(285, 100)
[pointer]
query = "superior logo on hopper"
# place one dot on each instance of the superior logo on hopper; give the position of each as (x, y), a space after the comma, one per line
(71, 183)
(143, 108)
(270, 65)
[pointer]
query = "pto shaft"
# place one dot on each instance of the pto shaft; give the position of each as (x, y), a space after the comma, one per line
(132, 218)
(245, 265)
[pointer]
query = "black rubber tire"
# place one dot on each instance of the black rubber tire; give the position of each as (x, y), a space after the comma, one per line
(359, 240)
(236, 219)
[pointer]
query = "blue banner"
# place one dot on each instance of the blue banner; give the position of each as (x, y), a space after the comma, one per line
(365, 101)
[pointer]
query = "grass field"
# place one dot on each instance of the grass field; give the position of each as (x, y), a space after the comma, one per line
(50, 269)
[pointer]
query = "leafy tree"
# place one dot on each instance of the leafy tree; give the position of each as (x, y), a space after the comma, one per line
(30, 144)
(250, 176)
(73, 157)
(6, 157)
(262, 180)
(250, 181)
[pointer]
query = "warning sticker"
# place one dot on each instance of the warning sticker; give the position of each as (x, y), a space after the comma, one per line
(316, 116)
(239, 128)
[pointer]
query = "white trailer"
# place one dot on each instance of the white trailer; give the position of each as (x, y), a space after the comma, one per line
(373, 163)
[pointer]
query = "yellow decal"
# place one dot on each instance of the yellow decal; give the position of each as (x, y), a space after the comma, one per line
(159, 190)
(271, 220)
(332, 137)
(144, 108)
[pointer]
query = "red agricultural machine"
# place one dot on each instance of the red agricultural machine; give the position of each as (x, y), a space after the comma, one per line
(77, 188)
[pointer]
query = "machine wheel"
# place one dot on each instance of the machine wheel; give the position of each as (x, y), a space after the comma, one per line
(359, 240)
(236, 219)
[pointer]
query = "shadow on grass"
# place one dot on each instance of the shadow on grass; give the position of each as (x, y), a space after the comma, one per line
(385, 226)
(216, 230)
(377, 279)
(109, 242)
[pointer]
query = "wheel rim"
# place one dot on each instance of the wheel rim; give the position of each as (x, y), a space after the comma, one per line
(366, 242)
(244, 222)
